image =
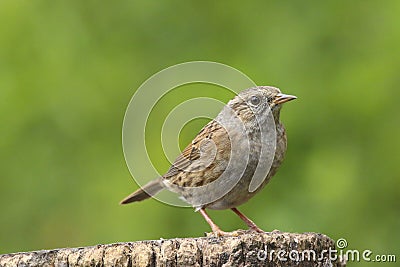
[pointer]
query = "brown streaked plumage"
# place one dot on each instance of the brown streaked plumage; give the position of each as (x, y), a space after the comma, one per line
(207, 157)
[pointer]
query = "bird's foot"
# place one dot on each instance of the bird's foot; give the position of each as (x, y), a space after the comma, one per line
(256, 229)
(253, 228)
(219, 233)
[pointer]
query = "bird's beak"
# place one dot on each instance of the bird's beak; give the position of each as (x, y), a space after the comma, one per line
(282, 98)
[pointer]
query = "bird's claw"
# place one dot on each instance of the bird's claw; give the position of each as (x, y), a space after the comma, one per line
(220, 233)
(256, 229)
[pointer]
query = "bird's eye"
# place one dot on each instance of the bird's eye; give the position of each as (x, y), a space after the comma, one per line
(255, 100)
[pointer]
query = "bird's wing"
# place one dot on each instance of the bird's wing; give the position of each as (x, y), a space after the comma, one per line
(198, 155)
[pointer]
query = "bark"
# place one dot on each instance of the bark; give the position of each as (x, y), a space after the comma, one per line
(243, 250)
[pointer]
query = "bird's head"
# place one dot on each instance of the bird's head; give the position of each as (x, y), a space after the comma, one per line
(258, 101)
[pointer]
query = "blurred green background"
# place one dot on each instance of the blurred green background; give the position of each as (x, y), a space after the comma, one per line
(69, 68)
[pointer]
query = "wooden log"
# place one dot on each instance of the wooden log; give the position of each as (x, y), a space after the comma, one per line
(250, 249)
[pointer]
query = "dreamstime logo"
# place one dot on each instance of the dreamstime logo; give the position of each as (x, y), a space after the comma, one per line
(341, 243)
(327, 255)
(157, 87)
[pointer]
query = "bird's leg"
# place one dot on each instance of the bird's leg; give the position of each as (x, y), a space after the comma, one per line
(250, 223)
(216, 230)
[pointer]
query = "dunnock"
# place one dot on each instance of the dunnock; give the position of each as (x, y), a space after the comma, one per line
(219, 168)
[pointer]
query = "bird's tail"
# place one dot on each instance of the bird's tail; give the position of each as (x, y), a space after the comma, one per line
(147, 191)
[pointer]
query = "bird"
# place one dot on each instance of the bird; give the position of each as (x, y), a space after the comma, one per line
(218, 169)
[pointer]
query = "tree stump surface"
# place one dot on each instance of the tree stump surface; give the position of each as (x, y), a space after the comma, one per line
(251, 249)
